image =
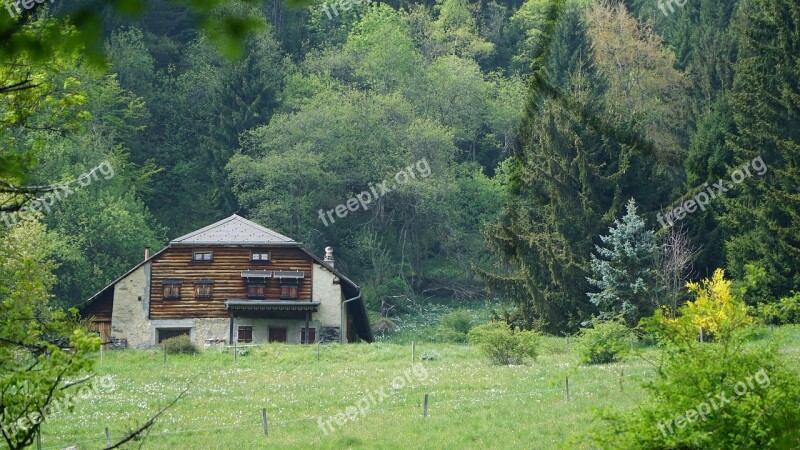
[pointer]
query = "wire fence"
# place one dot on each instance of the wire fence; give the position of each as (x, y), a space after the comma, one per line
(423, 403)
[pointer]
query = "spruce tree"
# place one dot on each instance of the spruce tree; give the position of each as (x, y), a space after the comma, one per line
(625, 270)
(762, 222)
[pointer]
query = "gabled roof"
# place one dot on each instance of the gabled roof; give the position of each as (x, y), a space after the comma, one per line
(235, 230)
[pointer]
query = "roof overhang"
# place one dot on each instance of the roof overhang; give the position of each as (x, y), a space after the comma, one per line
(241, 304)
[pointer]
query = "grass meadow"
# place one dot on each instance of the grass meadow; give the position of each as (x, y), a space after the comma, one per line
(471, 404)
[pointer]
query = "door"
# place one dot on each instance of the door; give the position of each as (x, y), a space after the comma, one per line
(277, 334)
(104, 328)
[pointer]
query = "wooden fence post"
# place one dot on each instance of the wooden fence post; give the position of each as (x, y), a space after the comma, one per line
(264, 421)
(235, 351)
(425, 406)
(567, 344)
(165, 354)
(413, 350)
(567, 386)
(318, 351)
(108, 438)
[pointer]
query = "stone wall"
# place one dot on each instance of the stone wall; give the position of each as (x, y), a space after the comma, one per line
(129, 317)
(329, 295)
(211, 330)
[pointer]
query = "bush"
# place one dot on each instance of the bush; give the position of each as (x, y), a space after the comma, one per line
(179, 344)
(685, 406)
(383, 326)
(455, 326)
(606, 342)
(784, 312)
(430, 355)
(504, 346)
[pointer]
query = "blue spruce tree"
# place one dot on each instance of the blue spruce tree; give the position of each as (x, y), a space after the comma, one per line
(625, 270)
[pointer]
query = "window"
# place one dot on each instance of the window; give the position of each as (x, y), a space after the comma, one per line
(171, 333)
(256, 290)
(312, 335)
(245, 334)
(259, 256)
(203, 256)
(172, 289)
(203, 288)
(277, 334)
(289, 292)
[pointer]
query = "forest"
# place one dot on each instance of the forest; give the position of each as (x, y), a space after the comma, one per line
(587, 158)
(539, 126)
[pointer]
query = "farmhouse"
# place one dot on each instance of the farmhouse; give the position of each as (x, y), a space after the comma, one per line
(232, 280)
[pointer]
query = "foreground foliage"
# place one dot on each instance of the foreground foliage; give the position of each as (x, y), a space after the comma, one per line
(44, 352)
(728, 393)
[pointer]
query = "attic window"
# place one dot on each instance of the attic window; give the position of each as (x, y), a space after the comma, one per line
(259, 256)
(203, 256)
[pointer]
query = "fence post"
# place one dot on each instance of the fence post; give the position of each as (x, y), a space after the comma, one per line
(567, 386)
(108, 438)
(425, 406)
(621, 376)
(567, 344)
(165, 354)
(264, 421)
(413, 350)
(318, 351)
(234, 351)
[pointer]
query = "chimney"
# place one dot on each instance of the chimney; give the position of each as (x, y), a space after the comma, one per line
(146, 253)
(329, 256)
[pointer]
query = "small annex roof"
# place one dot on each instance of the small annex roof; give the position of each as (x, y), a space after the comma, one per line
(235, 230)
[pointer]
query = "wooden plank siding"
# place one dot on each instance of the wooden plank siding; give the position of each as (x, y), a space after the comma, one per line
(101, 308)
(225, 270)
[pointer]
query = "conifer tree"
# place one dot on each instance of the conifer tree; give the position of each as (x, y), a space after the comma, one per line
(762, 222)
(625, 270)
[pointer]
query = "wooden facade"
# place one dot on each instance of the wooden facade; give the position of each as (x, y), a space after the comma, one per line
(233, 275)
(177, 264)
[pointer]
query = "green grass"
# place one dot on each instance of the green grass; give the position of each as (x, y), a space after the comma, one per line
(471, 404)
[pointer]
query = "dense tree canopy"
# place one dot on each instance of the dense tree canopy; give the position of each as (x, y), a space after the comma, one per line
(538, 121)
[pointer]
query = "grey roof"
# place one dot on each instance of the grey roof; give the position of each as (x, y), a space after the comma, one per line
(234, 230)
